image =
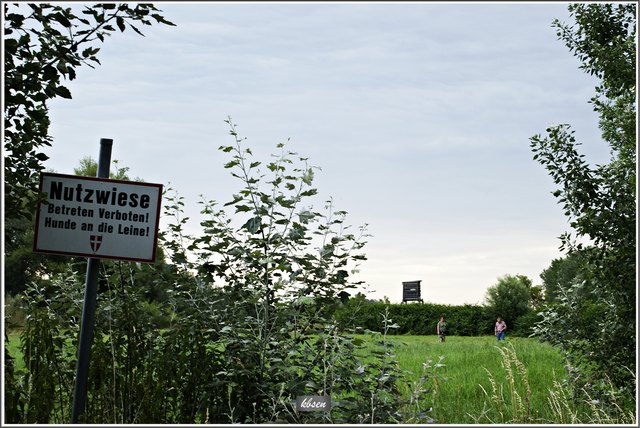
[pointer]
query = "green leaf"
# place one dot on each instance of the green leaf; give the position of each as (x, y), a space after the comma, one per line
(61, 66)
(232, 164)
(63, 92)
(120, 22)
(90, 52)
(136, 30)
(236, 199)
(160, 18)
(61, 19)
(308, 177)
(253, 225)
(305, 216)
(341, 276)
(49, 72)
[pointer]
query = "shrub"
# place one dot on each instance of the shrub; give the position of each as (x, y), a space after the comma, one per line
(525, 325)
(415, 318)
(14, 312)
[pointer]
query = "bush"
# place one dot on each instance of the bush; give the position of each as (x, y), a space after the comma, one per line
(416, 318)
(14, 312)
(524, 326)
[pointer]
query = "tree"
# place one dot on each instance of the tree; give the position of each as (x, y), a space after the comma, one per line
(510, 297)
(536, 299)
(600, 201)
(89, 168)
(44, 45)
(276, 268)
(563, 273)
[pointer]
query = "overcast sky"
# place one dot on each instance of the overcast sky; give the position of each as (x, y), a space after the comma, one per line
(419, 115)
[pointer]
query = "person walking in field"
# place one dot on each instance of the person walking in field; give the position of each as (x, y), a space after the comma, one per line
(441, 328)
(500, 328)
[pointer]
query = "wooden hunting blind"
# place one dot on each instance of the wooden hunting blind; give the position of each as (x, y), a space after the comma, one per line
(411, 291)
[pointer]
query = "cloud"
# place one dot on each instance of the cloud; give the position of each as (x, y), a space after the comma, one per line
(419, 115)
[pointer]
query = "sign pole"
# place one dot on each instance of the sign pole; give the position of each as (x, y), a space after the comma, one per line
(89, 308)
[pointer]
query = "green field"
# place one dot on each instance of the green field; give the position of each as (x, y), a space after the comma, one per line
(466, 364)
(13, 346)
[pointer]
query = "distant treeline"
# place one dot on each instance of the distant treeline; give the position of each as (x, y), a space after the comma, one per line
(421, 318)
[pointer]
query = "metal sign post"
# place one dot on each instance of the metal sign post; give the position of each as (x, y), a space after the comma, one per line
(97, 218)
(89, 308)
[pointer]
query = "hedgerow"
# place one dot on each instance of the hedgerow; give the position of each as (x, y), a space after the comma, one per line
(417, 318)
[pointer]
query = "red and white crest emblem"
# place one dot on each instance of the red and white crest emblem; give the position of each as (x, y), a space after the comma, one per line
(95, 241)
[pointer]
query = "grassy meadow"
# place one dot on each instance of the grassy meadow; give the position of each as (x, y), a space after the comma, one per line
(473, 365)
(469, 366)
(13, 346)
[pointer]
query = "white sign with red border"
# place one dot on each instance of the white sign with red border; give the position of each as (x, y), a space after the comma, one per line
(98, 217)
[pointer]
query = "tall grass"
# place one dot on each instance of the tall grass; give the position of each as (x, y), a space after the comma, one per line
(473, 369)
(589, 410)
(475, 380)
(517, 382)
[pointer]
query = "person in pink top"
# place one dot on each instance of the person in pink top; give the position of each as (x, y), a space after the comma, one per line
(501, 327)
